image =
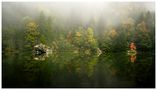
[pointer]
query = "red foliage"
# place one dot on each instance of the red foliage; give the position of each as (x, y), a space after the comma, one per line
(133, 58)
(132, 46)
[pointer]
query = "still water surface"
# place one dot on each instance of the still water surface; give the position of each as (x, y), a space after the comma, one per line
(66, 69)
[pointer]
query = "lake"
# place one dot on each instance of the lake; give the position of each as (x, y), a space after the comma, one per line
(67, 69)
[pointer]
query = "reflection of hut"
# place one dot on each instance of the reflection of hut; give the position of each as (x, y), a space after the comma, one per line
(41, 51)
(40, 57)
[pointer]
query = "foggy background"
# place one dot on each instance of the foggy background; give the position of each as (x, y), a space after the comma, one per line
(75, 11)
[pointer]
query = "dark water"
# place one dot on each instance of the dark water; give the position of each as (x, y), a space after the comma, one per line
(77, 70)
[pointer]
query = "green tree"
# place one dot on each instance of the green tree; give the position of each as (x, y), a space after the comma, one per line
(8, 42)
(109, 40)
(143, 38)
(46, 29)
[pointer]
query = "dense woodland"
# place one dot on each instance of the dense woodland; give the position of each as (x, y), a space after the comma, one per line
(110, 30)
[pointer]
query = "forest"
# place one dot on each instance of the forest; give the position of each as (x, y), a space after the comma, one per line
(78, 44)
(109, 31)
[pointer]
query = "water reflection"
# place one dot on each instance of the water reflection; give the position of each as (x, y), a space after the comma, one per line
(67, 69)
(40, 56)
(132, 55)
(133, 58)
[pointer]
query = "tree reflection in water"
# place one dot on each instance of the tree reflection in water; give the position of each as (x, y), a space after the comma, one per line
(67, 69)
(133, 58)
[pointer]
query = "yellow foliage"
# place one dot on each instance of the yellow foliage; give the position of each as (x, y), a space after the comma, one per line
(31, 25)
(78, 34)
(90, 31)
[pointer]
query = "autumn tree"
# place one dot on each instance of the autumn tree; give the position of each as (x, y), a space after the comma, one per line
(78, 38)
(90, 41)
(31, 33)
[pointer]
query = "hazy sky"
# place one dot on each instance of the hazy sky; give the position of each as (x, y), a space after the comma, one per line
(81, 10)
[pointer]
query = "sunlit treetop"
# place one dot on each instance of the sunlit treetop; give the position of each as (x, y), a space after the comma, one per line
(32, 25)
(90, 31)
